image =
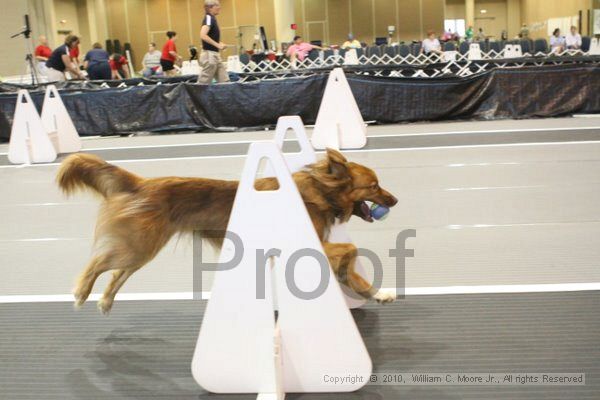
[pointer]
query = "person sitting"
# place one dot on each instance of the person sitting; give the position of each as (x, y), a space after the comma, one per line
(431, 45)
(193, 50)
(447, 36)
(351, 43)
(119, 67)
(96, 63)
(557, 42)
(573, 39)
(300, 49)
(151, 62)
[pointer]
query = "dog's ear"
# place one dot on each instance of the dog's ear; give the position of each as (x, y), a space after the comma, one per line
(337, 162)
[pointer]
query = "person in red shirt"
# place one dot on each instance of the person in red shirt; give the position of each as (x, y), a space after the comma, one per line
(119, 67)
(42, 53)
(169, 55)
(74, 54)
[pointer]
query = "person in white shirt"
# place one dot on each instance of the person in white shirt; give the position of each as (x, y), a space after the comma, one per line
(573, 39)
(431, 44)
(557, 42)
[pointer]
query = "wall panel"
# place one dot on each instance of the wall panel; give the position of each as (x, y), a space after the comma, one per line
(266, 16)
(433, 15)
(138, 28)
(409, 20)
(537, 12)
(314, 10)
(385, 15)
(227, 15)
(339, 20)
(180, 23)
(362, 20)
(246, 12)
(158, 17)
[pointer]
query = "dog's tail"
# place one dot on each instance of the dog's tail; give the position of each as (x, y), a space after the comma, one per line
(81, 171)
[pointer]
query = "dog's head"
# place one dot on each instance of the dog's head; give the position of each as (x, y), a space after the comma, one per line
(350, 185)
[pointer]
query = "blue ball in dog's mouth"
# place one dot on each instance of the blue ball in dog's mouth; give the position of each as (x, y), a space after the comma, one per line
(379, 212)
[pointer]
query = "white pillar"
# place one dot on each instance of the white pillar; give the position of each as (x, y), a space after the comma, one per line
(284, 18)
(470, 13)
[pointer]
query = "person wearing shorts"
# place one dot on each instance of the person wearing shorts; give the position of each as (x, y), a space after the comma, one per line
(169, 55)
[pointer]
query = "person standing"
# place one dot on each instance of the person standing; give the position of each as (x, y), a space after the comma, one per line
(42, 53)
(96, 63)
(169, 55)
(211, 65)
(60, 62)
(469, 34)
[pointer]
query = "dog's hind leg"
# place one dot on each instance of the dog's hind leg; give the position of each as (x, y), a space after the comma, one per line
(342, 258)
(98, 265)
(118, 279)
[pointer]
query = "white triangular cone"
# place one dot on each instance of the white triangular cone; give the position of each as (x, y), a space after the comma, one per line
(297, 161)
(234, 352)
(29, 140)
(56, 119)
(351, 57)
(339, 122)
(474, 52)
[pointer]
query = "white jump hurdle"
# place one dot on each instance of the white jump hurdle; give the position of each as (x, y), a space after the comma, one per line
(36, 139)
(474, 52)
(241, 348)
(58, 123)
(29, 140)
(339, 123)
(297, 161)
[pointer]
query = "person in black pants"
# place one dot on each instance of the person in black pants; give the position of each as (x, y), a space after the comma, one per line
(96, 63)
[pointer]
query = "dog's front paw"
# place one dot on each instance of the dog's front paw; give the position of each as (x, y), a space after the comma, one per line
(385, 296)
(105, 305)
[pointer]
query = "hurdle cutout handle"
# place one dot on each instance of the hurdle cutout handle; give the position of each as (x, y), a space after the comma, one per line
(270, 153)
(306, 155)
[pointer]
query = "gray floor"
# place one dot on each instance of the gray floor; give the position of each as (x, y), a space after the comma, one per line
(494, 203)
(485, 214)
(144, 349)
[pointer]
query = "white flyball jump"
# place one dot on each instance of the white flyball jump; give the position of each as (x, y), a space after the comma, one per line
(59, 124)
(339, 122)
(241, 347)
(297, 161)
(29, 140)
(36, 139)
